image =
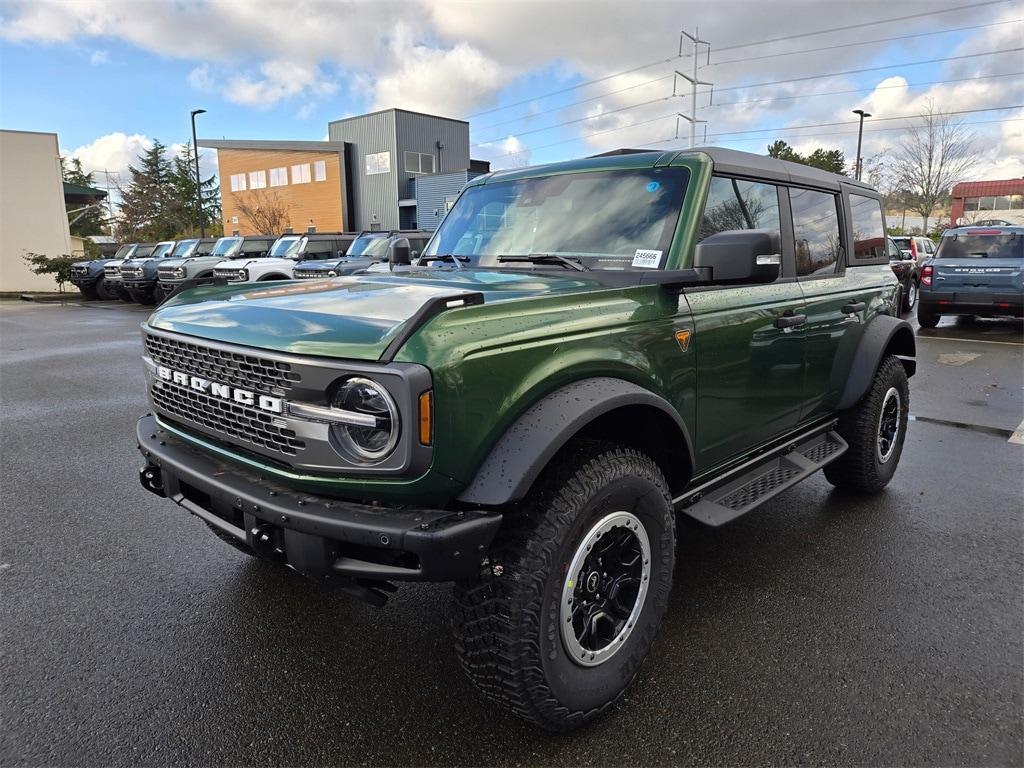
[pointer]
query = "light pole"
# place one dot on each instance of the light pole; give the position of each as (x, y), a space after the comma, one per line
(860, 135)
(199, 183)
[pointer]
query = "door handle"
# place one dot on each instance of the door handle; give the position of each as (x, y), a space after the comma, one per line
(852, 307)
(790, 321)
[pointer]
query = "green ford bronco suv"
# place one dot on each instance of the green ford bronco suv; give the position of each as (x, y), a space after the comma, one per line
(584, 350)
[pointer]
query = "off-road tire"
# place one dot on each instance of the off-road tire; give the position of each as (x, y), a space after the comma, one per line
(860, 468)
(89, 294)
(142, 297)
(507, 620)
(926, 318)
(103, 292)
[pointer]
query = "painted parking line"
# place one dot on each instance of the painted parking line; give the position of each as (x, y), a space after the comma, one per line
(972, 341)
(1018, 435)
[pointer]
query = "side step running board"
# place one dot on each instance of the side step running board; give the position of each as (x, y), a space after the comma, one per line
(724, 503)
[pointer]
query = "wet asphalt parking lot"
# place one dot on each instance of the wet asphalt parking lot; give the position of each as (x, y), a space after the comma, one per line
(822, 628)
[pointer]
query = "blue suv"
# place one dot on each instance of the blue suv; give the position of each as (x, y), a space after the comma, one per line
(975, 271)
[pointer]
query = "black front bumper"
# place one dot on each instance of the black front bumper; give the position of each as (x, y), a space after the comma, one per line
(84, 281)
(144, 285)
(321, 537)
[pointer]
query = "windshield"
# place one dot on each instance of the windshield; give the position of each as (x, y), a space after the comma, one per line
(361, 243)
(991, 246)
(142, 251)
(604, 219)
(902, 242)
(123, 252)
(377, 248)
(225, 246)
(181, 251)
(285, 247)
(161, 250)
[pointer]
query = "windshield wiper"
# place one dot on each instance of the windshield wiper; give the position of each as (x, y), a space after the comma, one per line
(456, 260)
(547, 258)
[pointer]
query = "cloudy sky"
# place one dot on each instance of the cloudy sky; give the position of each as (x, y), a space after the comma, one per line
(539, 81)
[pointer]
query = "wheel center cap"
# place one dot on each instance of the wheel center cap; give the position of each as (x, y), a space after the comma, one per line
(593, 581)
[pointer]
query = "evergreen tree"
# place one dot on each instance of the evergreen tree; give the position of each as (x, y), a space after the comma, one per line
(830, 160)
(148, 200)
(91, 221)
(187, 210)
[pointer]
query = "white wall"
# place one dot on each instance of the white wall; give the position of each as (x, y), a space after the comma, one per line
(32, 214)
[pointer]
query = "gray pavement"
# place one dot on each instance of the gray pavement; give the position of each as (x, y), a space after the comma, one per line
(823, 628)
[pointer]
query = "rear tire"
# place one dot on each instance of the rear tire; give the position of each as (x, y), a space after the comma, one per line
(926, 318)
(910, 295)
(875, 429)
(533, 631)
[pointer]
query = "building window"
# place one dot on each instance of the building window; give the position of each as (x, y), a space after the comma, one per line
(257, 179)
(300, 174)
(379, 162)
(278, 177)
(320, 170)
(417, 162)
(238, 182)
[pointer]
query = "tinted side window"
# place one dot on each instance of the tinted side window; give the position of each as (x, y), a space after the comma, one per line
(815, 231)
(737, 204)
(869, 240)
(319, 246)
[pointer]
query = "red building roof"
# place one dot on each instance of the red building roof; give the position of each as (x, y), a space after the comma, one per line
(989, 188)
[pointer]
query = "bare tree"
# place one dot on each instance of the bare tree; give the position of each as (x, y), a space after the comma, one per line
(266, 211)
(935, 154)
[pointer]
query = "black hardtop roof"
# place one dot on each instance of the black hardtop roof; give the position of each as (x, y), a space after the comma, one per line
(733, 161)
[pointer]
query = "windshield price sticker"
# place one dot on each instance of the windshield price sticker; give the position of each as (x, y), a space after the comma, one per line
(647, 259)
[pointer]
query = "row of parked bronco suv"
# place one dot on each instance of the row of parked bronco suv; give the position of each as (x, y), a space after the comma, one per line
(148, 273)
(583, 351)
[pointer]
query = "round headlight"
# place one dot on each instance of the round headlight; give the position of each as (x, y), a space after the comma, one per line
(332, 273)
(179, 272)
(243, 274)
(374, 441)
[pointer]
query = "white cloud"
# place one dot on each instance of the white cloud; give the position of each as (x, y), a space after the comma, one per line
(425, 77)
(279, 79)
(113, 152)
(99, 57)
(201, 79)
(509, 152)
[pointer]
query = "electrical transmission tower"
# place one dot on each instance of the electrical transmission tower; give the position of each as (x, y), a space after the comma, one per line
(693, 80)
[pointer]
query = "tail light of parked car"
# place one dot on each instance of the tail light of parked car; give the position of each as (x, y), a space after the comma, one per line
(926, 274)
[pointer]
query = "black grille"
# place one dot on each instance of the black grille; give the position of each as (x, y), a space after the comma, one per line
(133, 272)
(79, 271)
(166, 273)
(308, 274)
(251, 372)
(241, 422)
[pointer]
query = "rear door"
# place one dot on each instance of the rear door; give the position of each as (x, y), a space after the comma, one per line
(749, 354)
(835, 304)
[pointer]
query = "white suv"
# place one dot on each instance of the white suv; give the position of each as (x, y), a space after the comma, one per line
(286, 252)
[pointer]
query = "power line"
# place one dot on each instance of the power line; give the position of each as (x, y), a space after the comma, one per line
(867, 69)
(578, 120)
(575, 103)
(874, 119)
(596, 133)
(734, 47)
(854, 132)
(859, 90)
(862, 42)
(861, 25)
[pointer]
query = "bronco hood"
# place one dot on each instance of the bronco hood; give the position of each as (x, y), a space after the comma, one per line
(347, 317)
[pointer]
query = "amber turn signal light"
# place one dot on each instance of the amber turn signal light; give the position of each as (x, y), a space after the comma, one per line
(426, 417)
(683, 337)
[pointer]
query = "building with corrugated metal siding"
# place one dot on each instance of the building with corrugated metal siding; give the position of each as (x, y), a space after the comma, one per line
(387, 150)
(436, 194)
(362, 178)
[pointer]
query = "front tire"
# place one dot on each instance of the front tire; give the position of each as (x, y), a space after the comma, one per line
(103, 291)
(875, 429)
(557, 625)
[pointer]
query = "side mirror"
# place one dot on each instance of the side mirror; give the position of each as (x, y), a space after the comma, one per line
(399, 253)
(740, 256)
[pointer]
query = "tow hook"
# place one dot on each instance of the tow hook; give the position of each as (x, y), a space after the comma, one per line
(266, 539)
(152, 480)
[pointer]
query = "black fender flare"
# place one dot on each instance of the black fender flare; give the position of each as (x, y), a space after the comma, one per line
(273, 276)
(526, 447)
(883, 333)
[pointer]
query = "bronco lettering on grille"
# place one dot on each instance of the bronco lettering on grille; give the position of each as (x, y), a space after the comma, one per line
(223, 391)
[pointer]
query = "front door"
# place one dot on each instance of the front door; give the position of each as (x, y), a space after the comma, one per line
(748, 339)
